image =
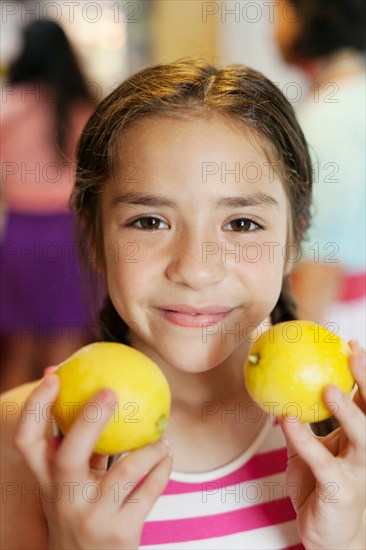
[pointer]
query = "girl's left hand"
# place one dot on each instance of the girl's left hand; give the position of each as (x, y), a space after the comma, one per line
(326, 476)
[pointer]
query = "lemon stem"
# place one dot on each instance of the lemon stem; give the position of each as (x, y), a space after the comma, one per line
(253, 359)
(161, 424)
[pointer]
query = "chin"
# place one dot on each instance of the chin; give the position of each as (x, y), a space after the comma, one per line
(196, 359)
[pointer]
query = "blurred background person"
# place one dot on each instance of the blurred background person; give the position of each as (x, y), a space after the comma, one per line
(43, 111)
(45, 105)
(326, 40)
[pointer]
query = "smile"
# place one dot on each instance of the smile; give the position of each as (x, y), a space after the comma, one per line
(194, 320)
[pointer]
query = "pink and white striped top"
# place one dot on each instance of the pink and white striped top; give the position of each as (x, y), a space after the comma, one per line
(242, 505)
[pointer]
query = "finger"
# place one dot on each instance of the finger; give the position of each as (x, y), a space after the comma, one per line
(357, 364)
(303, 442)
(349, 415)
(126, 474)
(76, 449)
(32, 436)
(291, 450)
(147, 493)
(356, 347)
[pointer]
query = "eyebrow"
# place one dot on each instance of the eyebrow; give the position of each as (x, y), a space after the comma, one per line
(239, 201)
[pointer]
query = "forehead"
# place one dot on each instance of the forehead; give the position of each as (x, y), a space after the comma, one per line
(205, 145)
(210, 129)
(197, 166)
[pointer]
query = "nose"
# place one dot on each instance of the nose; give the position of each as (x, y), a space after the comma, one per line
(195, 262)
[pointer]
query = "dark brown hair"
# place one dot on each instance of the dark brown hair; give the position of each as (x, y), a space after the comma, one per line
(186, 89)
(328, 26)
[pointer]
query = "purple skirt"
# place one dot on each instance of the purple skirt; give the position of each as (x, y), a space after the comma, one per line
(42, 287)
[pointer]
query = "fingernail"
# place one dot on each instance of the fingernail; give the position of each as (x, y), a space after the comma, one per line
(49, 370)
(356, 345)
(336, 392)
(106, 396)
(291, 418)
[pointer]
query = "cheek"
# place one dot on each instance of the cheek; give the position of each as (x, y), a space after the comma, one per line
(124, 283)
(261, 271)
(265, 259)
(129, 271)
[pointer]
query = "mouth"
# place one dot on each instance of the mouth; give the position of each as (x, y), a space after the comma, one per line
(184, 316)
(195, 311)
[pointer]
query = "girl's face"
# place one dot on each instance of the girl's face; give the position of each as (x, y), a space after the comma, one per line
(194, 218)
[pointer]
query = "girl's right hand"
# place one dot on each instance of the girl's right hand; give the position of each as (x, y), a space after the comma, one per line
(86, 506)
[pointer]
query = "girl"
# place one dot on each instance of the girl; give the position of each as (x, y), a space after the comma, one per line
(183, 173)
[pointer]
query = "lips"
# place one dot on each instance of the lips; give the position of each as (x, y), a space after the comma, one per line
(199, 310)
(187, 316)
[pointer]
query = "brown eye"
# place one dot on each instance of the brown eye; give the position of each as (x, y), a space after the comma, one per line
(243, 225)
(148, 223)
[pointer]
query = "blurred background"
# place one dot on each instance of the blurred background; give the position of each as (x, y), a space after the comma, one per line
(117, 38)
(113, 39)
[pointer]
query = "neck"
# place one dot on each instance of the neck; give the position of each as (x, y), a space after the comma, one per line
(207, 407)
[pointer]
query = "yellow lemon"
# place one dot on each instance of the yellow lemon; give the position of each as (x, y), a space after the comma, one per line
(289, 366)
(142, 407)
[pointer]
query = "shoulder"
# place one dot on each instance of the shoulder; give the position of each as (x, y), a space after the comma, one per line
(11, 404)
(24, 109)
(11, 103)
(23, 525)
(334, 104)
(80, 112)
